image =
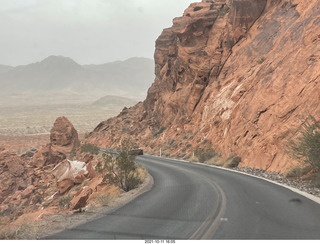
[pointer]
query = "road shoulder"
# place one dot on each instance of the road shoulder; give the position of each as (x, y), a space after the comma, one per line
(60, 222)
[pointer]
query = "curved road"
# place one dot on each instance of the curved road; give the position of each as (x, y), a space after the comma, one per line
(192, 201)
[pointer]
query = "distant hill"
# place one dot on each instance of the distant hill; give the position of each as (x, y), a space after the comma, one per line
(5, 68)
(114, 101)
(133, 72)
(130, 78)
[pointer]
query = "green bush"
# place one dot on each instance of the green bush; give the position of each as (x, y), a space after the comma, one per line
(64, 202)
(204, 154)
(232, 161)
(306, 147)
(122, 170)
(162, 129)
(314, 180)
(297, 171)
(90, 148)
(261, 60)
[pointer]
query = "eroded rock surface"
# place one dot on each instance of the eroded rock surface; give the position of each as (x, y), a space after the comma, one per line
(238, 76)
(13, 173)
(64, 143)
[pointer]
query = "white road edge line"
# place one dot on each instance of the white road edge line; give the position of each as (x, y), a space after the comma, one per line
(305, 194)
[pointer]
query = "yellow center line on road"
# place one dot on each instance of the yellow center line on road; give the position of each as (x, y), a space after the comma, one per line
(208, 228)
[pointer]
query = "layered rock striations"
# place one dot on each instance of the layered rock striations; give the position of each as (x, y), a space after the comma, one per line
(239, 76)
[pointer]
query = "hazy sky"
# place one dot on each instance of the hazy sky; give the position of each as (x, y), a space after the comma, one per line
(88, 31)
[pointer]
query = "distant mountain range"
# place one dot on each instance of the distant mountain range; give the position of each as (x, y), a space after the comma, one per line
(129, 78)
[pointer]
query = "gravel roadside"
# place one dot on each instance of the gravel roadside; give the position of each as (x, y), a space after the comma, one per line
(281, 179)
(56, 223)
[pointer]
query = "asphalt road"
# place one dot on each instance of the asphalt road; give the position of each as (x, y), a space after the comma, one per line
(191, 201)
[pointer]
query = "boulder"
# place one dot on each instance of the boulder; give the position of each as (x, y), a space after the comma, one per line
(70, 173)
(64, 143)
(42, 156)
(82, 197)
(65, 185)
(80, 201)
(81, 176)
(92, 173)
(12, 171)
(64, 140)
(26, 193)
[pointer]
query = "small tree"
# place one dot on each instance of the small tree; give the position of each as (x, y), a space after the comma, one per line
(306, 148)
(121, 170)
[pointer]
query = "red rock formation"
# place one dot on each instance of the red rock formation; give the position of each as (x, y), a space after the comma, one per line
(13, 173)
(30, 183)
(82, 197)
(240, 75)
(68, 173)
(64, 143)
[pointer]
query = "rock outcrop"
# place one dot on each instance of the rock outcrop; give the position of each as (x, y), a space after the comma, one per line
(64, 143)
(13, 171)
(48, 182)
(68, 173)
(236, 75)
(22, 187)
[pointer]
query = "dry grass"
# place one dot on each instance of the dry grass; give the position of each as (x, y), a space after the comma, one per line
(306, 173)
(217, 161)
(232, 161)
(24, 231)
(298, 171)
(104, 199)
(142, 173)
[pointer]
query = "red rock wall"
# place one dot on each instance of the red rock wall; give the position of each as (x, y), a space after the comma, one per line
(242, 75)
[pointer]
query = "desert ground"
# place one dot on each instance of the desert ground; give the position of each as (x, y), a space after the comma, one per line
(25, 125)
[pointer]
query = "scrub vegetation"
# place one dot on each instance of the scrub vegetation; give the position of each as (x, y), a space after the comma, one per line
(122, 170)
(305, 148)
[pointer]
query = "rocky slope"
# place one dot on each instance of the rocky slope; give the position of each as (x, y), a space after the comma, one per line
(236, 75)
(55, 178)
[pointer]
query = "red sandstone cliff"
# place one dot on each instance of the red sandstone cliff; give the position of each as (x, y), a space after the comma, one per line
(241, 74)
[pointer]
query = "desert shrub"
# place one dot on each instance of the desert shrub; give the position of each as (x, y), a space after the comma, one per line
(314, 179)
(121, 170)
(217, 160)
(261, 60)
(90, 148)
(104, 199)
(232, 161)
(170, 141)
(293, 172)
(162, 129)
(204, 154)
(64, 202)
(298, 171)
(306, 147)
